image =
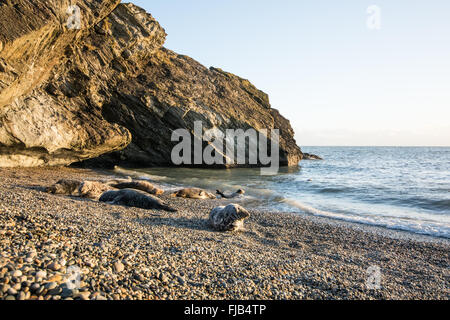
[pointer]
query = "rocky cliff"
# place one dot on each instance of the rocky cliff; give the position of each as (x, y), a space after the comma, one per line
(108, 90)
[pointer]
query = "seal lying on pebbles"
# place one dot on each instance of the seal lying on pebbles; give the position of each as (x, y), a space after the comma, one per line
(229, 218)
(92, 189)
(117, 181)
(85, 189)
(236, 194)
(134, 198)
(64, 186)
(139, 185)
(193, 193)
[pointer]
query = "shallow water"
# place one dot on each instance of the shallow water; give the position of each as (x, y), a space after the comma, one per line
(405, 188)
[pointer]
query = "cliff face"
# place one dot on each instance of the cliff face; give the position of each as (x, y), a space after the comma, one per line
(109, 90)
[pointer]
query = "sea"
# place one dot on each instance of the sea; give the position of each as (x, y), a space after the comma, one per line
(401, 188)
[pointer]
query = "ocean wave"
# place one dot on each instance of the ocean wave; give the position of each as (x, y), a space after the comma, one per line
(424, 203)
(409, 225)
(371, 196)
(333, 190)
(138, 174)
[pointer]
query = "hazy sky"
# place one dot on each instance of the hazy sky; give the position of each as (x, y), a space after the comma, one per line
(337, 80)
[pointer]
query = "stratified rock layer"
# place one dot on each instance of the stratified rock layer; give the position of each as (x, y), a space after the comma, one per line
(109, 91)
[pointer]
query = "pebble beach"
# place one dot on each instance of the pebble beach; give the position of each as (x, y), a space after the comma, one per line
(122, 253)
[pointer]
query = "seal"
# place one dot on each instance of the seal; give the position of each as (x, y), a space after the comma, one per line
(229, 218)
(139, 185)
(134, 198)
(116, 181)
(236, 194)
(92, 189)
(193, 193)
(66, 187)
(76, 188)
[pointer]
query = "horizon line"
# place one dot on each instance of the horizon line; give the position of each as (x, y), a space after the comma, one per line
(374, 146)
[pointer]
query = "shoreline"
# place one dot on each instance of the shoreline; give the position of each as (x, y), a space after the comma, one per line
(175, 255)
(375, 229)
(309, 211)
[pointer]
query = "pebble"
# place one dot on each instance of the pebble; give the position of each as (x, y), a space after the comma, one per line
(83, 295)
(68, 292)
(35, 287)
(22, 296)
(56, 278)
(50, 285)
(118, 266)
(17, 273)
(41, 274)
(163, 278)
(55, 291)
(54, 266)
(12, 291)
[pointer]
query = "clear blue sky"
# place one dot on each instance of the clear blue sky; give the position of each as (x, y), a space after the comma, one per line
(339, 82)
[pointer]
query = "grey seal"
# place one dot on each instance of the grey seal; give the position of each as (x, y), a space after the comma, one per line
(193, 193)
(92, 189)
(229, 218)
(134, 198)
(66, 187)
(76, 188)
(236, 194)
(139, 185)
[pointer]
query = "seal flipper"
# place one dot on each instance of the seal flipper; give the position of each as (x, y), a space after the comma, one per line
(220, 193)
(168, 208)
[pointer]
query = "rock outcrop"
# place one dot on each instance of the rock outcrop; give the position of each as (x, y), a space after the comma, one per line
(109, 90)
